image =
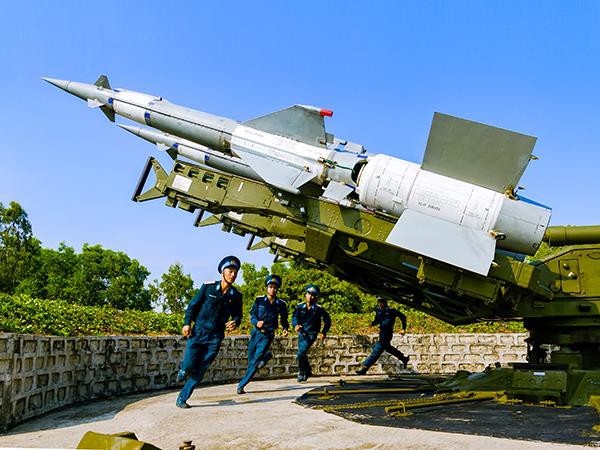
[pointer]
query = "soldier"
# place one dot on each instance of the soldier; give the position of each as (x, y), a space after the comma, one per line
(306, 320)
(210, 310)
(385, 318)
(264, 316)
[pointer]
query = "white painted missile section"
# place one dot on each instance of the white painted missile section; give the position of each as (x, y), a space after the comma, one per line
(450, 219)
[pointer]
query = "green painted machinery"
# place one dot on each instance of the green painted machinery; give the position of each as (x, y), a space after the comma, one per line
(556, 297)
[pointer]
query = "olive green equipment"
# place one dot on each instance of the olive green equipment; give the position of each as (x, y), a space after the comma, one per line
(556, 297)
(117, 441)
(125, 440)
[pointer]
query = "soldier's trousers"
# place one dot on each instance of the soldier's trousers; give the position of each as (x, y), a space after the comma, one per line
(382, 345)
(197, 359)
(305, 340)
(258, 347)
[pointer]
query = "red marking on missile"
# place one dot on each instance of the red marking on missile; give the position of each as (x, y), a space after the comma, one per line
(326, 112)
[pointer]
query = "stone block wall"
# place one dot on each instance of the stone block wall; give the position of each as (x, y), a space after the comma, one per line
(42, 373)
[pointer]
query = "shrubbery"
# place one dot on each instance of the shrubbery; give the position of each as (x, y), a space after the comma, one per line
(23, 314)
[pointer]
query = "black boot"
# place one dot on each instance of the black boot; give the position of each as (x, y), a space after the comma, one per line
(362, 370)
(405, 361)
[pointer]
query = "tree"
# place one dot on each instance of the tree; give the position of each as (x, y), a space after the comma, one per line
(174, 291)
(51, 274)
(336, 295)
(106, 277)
(18, 246)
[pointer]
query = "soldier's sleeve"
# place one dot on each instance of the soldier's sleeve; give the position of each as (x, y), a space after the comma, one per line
(283, 312)
(194, 306)
(377, 319)
(295, 316)
(326, 321)
(402, 317)
(254, 313)
(236, 314)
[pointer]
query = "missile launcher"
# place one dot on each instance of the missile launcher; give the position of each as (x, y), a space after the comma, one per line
(448, 237)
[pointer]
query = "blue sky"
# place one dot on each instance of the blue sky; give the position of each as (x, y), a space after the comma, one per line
(384, 68)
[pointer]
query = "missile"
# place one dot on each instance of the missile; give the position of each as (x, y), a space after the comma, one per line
(287, 148)
(458, 206)
(176, 146)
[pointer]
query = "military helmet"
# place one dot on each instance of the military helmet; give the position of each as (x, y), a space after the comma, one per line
(229, 261)
(273, 279)
(313, 289)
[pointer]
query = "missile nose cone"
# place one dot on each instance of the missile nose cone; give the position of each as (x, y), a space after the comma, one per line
(62, 84)
(134, 130)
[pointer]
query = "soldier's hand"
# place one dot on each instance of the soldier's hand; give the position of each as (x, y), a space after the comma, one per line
(402, 332)
(260, 323)
(231, 325)
(284, 333)
(186, 331)
(298, 327)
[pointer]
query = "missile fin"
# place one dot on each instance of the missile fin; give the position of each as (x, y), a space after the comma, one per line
(438, 239)
(274, 172)
(93, 103)
(102, 82)
(480, 154)
(108, 112)
(337, 191)
(297, 122)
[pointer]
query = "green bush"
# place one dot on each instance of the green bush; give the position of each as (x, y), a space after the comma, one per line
(23, 314)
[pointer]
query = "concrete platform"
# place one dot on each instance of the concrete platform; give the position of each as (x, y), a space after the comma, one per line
(266, 417)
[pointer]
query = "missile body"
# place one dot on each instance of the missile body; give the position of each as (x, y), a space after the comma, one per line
(455, 207)
(175, 145)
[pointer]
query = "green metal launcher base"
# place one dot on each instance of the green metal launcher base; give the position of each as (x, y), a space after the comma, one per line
(557, 297)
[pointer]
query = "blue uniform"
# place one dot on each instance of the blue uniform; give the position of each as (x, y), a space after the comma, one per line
(262, 338)
(385, 318)
(210, 310)
(310, 319)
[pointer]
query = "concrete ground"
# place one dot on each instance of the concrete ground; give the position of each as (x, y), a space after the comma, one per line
(265, 417)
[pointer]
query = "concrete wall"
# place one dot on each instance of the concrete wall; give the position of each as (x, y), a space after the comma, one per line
(42, 373)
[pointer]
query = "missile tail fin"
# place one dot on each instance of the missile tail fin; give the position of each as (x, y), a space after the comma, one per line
(337, 191)
(445, 241)
(479, 154)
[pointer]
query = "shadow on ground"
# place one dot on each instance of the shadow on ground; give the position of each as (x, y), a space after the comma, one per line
(81, 413)
(486, 418)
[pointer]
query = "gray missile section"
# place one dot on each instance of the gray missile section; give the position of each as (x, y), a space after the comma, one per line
(206, 129)
(176, 146)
